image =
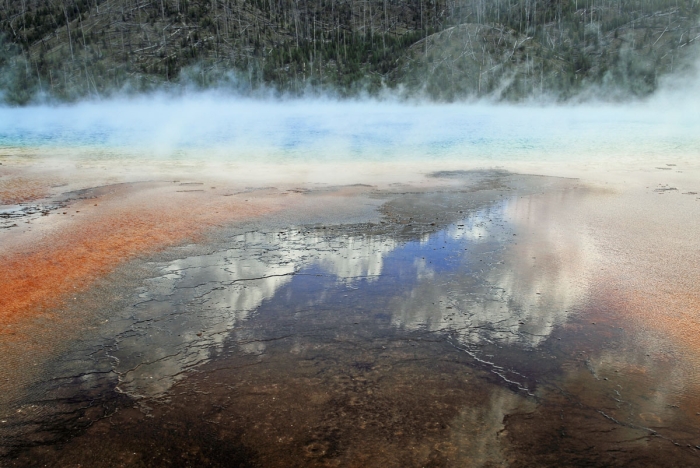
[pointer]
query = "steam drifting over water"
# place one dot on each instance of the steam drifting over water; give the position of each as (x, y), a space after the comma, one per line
(223, 129)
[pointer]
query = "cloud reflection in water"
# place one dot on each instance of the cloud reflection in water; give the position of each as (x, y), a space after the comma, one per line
(191, 309)
(470, 280)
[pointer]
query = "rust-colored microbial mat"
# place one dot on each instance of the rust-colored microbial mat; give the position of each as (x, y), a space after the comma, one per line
(89, 238)
(54, 258)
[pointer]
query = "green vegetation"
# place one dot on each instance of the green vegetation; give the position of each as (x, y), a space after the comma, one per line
(440, 49)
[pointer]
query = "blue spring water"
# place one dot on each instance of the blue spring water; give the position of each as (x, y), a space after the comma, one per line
(238, 130)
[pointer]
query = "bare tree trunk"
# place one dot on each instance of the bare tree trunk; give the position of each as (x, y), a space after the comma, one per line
(70, 39)
(386, 24)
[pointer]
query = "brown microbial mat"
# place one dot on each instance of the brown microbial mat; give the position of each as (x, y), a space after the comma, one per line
(463, 327)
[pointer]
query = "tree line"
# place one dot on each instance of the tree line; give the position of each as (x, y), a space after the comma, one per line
(443, 49)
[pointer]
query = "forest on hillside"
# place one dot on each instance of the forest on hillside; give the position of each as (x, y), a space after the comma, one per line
(443, 50)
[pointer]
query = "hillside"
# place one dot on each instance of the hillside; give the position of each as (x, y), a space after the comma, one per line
(441, 49)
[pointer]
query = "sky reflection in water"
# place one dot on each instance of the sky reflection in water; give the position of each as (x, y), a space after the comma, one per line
(452, 281)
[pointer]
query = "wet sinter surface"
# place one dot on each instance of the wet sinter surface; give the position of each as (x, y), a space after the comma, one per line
(414, 342)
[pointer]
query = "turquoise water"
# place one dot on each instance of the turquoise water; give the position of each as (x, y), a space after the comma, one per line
(235, 130)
